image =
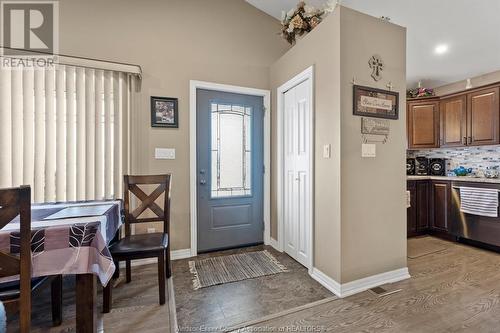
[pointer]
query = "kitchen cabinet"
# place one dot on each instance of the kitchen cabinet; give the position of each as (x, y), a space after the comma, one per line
(469, 118)
(423, 124)
(453, 121)
(422, 205)
(440, 205)
(411, 212)
(418, 212)
(483, 113)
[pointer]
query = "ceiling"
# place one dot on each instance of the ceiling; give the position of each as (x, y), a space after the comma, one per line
(468, 28)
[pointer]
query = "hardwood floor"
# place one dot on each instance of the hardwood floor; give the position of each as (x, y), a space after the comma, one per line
(135, 307)
(223, 306)
(454, 290)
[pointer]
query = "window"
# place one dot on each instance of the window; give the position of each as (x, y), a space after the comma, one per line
(63, 131)
(231, 150)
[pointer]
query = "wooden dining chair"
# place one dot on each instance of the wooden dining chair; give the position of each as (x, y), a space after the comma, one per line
(141, 246)
(16, 295)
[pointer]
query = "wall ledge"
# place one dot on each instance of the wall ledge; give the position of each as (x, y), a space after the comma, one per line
(357, 286)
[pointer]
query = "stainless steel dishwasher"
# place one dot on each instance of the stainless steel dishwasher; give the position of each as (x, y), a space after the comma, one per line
(474, 227)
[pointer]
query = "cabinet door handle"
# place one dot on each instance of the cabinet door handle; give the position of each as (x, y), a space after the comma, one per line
(464, 141)
(470, 140)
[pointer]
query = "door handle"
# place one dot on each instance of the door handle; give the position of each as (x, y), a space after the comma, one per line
(203, 182)
(470, 139)
(464, 141)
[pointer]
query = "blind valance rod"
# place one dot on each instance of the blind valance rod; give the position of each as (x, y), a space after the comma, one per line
(62, 59)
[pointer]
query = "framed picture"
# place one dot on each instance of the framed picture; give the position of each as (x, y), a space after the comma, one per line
(164, 112)
(377, 103)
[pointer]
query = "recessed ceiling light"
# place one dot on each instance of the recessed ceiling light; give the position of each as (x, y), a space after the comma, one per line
(441, 49)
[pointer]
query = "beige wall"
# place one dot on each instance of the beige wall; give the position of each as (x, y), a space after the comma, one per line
(373, 189)
(476, 81)
(360, 214)
(174, 41)
(320, 49)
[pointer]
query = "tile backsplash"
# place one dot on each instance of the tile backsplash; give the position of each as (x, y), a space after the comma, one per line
(477, 158)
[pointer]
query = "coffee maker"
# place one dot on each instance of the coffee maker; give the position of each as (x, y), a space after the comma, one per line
(421, 166)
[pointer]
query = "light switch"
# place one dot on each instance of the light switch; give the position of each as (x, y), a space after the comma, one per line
(327, 151)
(165, 153)
(368, 150)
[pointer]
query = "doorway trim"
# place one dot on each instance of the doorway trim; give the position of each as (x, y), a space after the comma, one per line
(306, 75)
(266, 94)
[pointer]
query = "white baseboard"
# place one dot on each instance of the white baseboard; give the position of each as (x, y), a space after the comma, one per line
(357, 286)
(180, 254)
(174, 255)
(326, 281)
(275, 244)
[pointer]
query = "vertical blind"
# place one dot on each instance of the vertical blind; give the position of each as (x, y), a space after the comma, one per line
(63, 130)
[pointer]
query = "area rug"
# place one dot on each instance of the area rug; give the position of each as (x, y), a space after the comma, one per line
(231, 268)
(422, 246)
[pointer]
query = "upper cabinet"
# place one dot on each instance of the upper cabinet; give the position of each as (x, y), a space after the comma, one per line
(423, 124)
(467, 119)
(483, 110)
(453, 121)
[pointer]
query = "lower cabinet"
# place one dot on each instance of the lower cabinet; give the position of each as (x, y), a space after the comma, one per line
(422, 206)
(418, 212)
(411, 212)
(430, 207)
(440, 205)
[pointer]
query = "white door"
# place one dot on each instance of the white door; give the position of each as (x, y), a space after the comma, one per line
(297, 173)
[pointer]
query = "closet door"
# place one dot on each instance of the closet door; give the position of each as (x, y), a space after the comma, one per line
(297, 173)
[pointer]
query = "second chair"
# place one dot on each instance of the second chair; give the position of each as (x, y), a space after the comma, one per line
(148, 245)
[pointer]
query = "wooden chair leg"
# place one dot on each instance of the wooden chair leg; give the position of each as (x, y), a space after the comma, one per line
(56, 300)
(107, 298)
(161, 277)
(116, 274)
(169, 263)
(128, 270)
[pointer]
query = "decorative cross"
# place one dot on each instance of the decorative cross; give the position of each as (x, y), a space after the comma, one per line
(377, 66)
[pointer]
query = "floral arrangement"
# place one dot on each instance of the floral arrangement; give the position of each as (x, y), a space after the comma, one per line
(300, 20)
(420, 92)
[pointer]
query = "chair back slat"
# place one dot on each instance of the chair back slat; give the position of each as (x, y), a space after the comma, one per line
(147, 201)
(14, 202)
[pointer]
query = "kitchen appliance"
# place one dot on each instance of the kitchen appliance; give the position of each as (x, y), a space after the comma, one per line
(437, 167)
(474, 227)
(410, 166)
(421, 166)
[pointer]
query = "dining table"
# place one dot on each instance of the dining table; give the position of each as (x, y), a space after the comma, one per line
(72, 238)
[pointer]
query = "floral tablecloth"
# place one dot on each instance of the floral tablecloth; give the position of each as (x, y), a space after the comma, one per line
(69, 238)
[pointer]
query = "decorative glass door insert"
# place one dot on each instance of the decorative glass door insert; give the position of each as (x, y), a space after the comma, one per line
(231, 150)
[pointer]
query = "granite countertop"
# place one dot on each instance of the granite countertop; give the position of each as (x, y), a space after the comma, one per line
(462, 179)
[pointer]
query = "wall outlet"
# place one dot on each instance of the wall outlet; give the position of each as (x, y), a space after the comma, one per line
(151, 230)
(165, 153)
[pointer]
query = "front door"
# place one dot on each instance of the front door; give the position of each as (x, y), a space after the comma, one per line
(230, 170)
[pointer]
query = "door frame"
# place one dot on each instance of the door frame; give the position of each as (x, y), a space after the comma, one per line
(266, 94)
(306, 75)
